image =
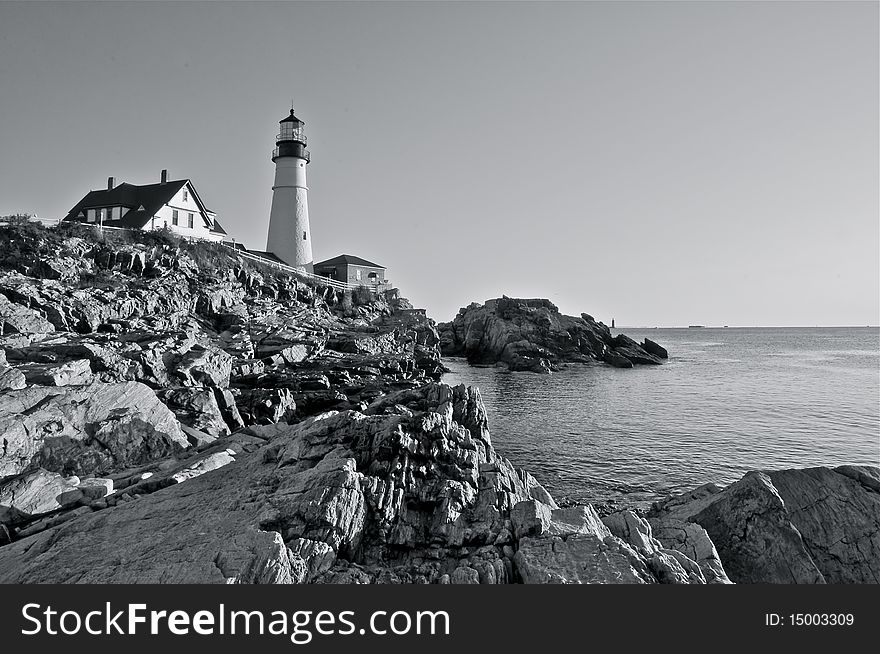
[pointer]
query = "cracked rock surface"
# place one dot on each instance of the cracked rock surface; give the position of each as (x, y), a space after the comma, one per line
(813, 525)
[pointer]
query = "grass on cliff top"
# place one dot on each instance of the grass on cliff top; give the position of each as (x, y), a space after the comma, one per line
(24, 241)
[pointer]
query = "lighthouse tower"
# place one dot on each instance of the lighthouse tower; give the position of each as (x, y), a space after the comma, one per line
(289, 238)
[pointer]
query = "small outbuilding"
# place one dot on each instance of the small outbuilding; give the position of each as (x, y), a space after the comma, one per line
(353, 270)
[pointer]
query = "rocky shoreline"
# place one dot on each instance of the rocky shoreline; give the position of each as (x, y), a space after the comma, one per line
(173, 413)
(532, 335)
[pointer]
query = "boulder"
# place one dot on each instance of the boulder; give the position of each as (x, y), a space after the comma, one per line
(11, 378)
(613, 358)
(654, 348)
(580, 559)
(35, 491)
(85, 429)
(94, 488)
(813, 525)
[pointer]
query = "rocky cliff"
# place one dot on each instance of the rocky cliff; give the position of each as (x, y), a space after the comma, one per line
(531, 335)
(170, 412)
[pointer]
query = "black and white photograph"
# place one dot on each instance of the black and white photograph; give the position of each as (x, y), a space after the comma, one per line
(399, 294)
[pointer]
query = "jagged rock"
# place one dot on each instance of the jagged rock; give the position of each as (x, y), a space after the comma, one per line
(574, 546)
(629, 527)
(15, 319)
(380, 497)
(201, 366)
(196, 408)
(791, 526)
(668, 566)
(228, 409)
(691, 539)
(296, 343)
(85, 429)
(259, 406)
(626, 347)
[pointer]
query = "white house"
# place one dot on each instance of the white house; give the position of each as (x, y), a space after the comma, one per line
(173, 204)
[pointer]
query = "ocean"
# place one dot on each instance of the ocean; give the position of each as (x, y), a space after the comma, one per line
(728, 400)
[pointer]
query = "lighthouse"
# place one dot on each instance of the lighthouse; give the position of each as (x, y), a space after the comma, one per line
(289, 237)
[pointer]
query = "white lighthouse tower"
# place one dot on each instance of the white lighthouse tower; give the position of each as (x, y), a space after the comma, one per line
(289, 237)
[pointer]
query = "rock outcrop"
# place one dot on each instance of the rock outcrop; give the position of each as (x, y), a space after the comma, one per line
(816, 525)
(408, 490)
(532, 335)
(172, 413)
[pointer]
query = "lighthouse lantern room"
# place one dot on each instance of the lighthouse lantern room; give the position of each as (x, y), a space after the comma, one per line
(289, 237)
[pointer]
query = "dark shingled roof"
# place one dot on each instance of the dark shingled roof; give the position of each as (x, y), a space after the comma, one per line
(349, 260)
(267, 255)
(143, 202)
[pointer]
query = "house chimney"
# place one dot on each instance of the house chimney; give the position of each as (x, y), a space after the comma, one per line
(110, 183)
(164, 176)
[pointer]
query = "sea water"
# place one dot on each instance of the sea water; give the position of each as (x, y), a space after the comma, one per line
(727, 401)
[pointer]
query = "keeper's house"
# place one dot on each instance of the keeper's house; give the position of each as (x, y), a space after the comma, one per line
(353, 270)
(172, 204)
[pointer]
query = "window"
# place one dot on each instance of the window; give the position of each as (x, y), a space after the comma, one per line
(305, 236)
(185, 196)
(357, 274)
(189, 220)
(174, 218)
(91, 216)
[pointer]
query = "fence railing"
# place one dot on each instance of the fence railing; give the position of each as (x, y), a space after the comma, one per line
(341, 286)
(296, 135)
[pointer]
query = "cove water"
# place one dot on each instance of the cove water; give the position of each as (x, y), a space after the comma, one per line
(728, 400)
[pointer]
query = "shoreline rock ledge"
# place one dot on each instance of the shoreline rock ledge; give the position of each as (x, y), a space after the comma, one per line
(407, 490)
(532, 335)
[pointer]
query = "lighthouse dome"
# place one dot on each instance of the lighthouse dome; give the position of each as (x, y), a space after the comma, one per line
(292, 119)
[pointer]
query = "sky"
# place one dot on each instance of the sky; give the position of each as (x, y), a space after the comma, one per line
(660, 164)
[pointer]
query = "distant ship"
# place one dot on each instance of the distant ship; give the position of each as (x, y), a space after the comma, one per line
(696, 326)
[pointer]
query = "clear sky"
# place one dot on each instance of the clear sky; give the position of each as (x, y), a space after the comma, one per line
(660, 163)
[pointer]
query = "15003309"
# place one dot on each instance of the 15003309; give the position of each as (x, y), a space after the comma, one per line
(809, 620)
